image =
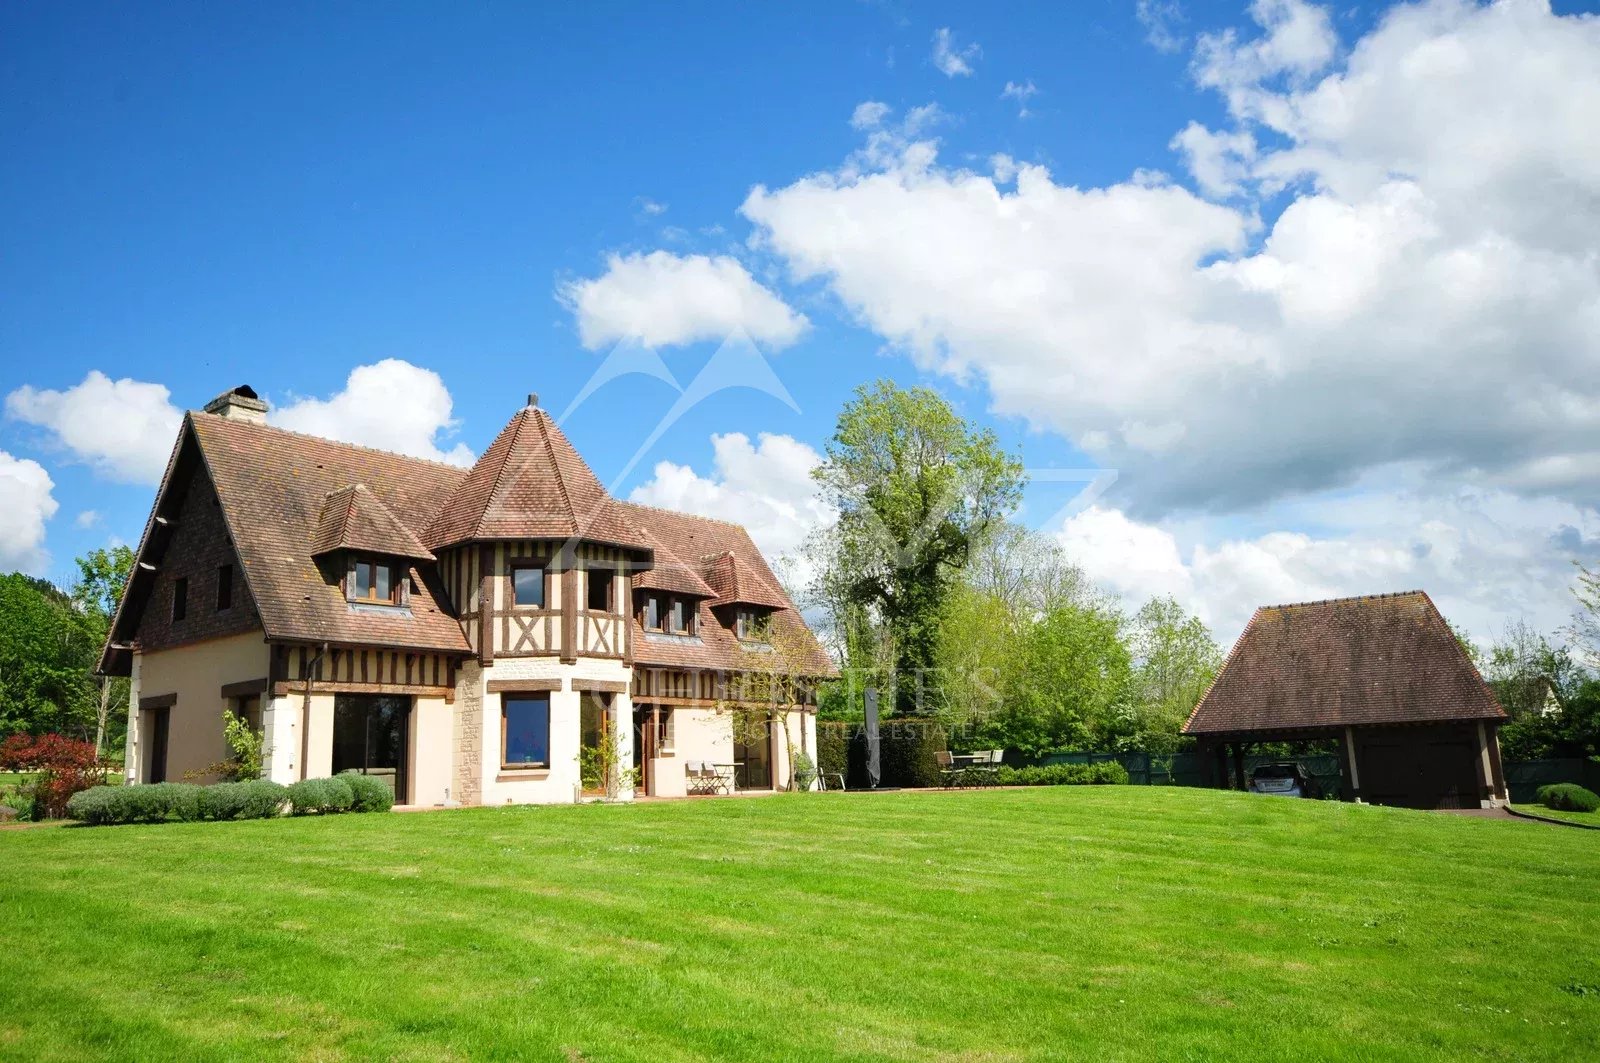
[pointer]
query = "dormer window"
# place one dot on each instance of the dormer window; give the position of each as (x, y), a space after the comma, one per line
(748, 623)
(374, 581)
(669, 614)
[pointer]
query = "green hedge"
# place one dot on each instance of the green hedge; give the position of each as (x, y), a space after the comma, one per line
(321, 795)
(185, 802)
(369, 794)
(907, 751)
(1106, 773)
(1568, 797)
(833, 747)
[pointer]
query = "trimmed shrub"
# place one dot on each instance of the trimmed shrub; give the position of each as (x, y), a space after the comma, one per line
(321, 795)
(252, 799)
(368, 794)
(149, 803)
(61, 767)
(1107, 773)
(1568, 797)
(908, 751)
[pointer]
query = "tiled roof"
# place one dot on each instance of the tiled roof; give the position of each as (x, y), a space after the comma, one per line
(353, 519)
(1387, 658)
(286, 498)
(685, 535)
(531, 484)
(671, 573)
(736, 582)
(273, 486)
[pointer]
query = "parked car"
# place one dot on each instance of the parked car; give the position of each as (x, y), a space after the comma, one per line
(1284, 780)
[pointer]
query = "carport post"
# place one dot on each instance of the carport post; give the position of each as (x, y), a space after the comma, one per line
(1238, 765)
(1221, 765)
(1349, 743)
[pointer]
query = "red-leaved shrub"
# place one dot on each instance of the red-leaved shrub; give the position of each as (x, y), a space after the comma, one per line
(64, 766)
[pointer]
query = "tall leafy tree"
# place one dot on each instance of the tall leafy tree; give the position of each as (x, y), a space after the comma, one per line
(916, 489)
(102, 575)
(1175, 660)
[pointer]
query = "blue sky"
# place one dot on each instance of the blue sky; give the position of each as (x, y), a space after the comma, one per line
(195, 197)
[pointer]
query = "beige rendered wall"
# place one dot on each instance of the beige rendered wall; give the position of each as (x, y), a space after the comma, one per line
(196, 673)
(431, 738)
(561, 782)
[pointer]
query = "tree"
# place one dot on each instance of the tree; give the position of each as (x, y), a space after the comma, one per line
(916, 489)
(1068, 686)
(1175, 660)
(1585, 627)
(45, 658)
(102, 576)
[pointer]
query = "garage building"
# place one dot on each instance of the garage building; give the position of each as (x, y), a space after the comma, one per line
(1383, 676)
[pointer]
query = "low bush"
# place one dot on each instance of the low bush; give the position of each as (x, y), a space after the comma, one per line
(368, 794)
(1568, 797)
(62, 767)
(833, 747)
(251, 799)
(321, 796)
(1106, 773)
(184, 802)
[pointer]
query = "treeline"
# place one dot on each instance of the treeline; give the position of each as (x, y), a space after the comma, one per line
(927, 590)
(50, 642)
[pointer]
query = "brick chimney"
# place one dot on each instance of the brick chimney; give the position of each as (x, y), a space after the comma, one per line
(241, 404)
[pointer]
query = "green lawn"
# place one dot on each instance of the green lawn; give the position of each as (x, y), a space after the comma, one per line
(1097, 923)
(1591, 818)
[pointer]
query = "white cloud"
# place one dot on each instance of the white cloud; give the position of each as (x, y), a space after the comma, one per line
(1485, 556)
(650, 207)
(869, 114)
(87, 519)
(123, 429)
(392, 405)
(1428, 295)
(1161, 19)
(951, 60)
(1022, 92)
(26, 503)
(664, 300)
(765, 486)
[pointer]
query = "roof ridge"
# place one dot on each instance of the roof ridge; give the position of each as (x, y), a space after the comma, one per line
(331, 442)
(555, 467)
(1347, 598)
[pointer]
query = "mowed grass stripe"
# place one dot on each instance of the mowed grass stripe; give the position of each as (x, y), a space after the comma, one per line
(1068, 923)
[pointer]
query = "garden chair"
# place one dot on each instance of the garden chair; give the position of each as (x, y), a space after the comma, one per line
(824, 776)
(949, 774)
(694, 777)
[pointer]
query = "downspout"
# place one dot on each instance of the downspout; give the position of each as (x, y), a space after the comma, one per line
(305, 710)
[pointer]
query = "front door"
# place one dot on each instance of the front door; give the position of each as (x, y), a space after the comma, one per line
(370, 736)
(752, 755)
(597, 752)
(157, 723)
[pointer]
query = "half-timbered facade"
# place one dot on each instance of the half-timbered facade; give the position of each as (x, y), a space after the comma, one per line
(505, 633)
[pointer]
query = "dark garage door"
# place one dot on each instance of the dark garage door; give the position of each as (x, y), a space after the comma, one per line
(1419, 767)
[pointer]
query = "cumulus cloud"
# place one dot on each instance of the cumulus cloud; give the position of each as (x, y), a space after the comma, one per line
(765, 485)
(391, 405)
(1428, 295)
(665, 300)
(123, 429)
(26, 502)
(869, 114)
(88, 518)
(953, 60)
(1486, 556)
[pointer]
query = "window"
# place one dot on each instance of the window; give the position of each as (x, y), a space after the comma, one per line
(180, 598)
(248, 709)
(374, 582)
(747, 623)
(599, 591)
(527, 586)
(224, 587)
(652, 612)
(679, 619)
(525, 730)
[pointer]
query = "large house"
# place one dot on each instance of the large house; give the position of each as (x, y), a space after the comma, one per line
(508, 633)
